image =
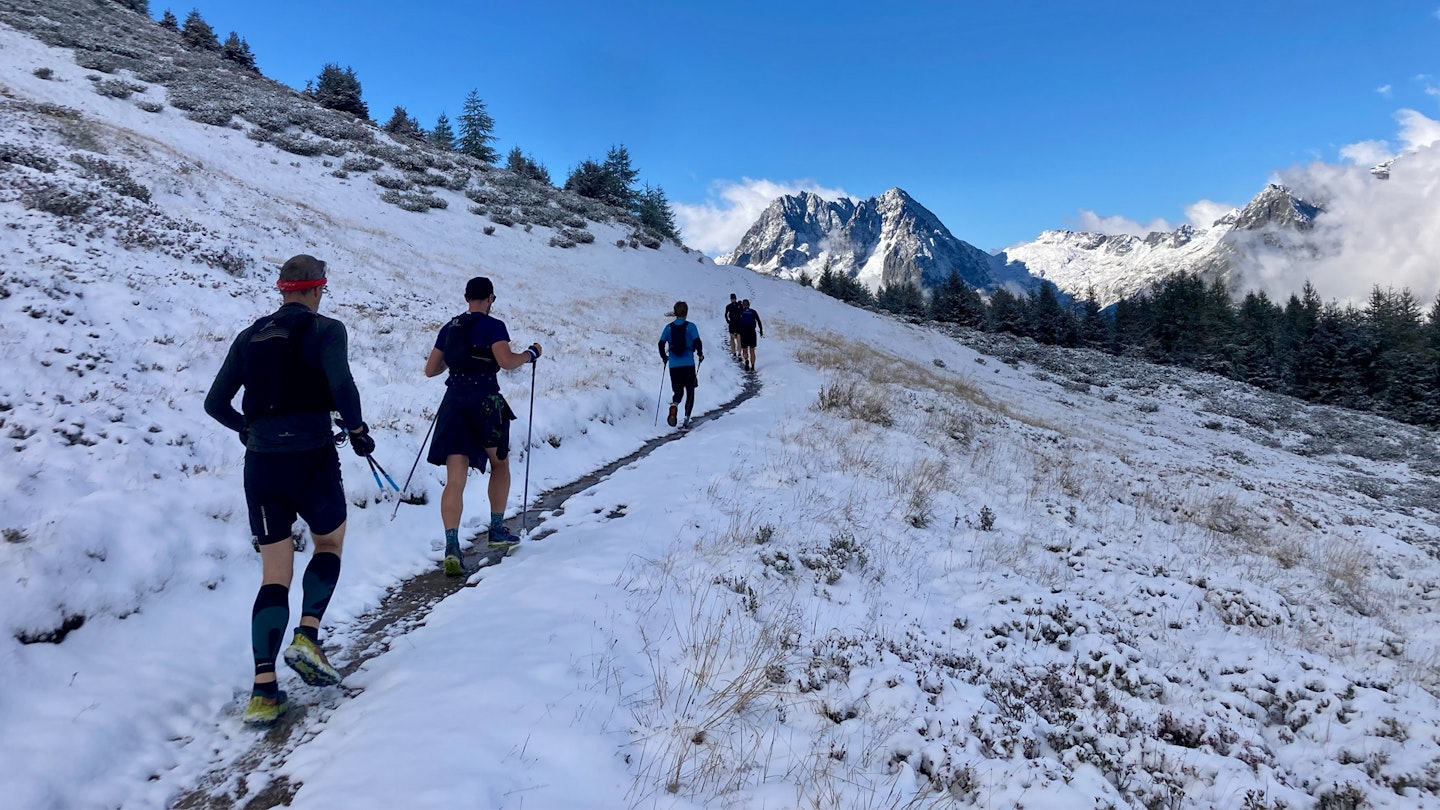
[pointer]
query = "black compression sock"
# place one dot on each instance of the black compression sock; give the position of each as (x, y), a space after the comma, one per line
(268, 620)
(319, 583)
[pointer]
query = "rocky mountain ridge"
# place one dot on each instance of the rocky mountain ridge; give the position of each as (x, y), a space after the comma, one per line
(887, 240)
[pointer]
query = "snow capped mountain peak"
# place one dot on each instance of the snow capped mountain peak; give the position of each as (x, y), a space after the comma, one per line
(884, 240)
(1271, 226)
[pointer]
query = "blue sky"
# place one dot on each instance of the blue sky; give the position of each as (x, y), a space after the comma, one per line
(1004, 118)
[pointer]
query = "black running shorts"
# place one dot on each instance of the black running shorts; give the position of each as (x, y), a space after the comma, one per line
(683, 377)
(468, 425)
(280, 486)
(747, 338)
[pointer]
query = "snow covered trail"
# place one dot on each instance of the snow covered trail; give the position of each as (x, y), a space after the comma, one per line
(498, 699)
(249, 775)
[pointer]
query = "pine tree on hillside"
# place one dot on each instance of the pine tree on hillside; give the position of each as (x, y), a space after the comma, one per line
(442, 136)
(339, 89)
(590, 179)
(653, 211)
(526, 166)
(622, 174)
(1046, 321)
(403, 126)
(904, 298)
(1007, 312)
(197, 34)
(1094, 329)
(237, 50)
(477, 131)
(168, 21)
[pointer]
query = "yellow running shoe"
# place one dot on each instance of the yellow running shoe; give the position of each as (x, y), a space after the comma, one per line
(308, 660)
(264, 710)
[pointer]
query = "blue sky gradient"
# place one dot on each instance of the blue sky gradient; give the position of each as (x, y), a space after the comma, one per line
(1004, 118)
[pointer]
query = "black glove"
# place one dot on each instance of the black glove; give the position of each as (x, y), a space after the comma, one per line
(701, 355)
(534, 352)
(361, 441)
(664, 358)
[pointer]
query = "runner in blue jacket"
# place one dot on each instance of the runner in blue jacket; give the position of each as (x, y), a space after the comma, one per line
(681, 349)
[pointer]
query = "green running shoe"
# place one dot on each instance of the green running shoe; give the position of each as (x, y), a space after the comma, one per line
(264, 710)
(504, 540)
(454, 565)
(308, 660)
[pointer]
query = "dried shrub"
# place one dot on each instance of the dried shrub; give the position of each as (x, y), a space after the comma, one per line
(53, 199)
(118, 88)
(392, 182)
(363, 163)
(21, 156)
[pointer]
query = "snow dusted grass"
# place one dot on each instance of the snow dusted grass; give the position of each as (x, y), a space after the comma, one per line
(1132, 632)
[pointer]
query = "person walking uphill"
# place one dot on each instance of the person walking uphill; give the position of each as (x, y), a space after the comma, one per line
(732, 324)
(472, 428)
(294, 369)
(684, 347)
(749, 322)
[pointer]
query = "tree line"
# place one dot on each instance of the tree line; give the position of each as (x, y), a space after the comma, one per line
(1382, 357)
(612, 180)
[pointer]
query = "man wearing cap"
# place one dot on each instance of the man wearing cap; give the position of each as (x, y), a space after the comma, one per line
(294, 369)
(472, 427)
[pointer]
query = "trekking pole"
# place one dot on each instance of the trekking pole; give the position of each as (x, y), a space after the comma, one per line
(416, 464)
(529, 432)
(659, 395)
(379, 471)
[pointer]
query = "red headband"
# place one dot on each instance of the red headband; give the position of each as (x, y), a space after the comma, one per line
(299, 286)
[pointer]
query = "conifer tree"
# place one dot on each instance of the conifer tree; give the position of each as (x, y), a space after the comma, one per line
(442, 136)
(1094, 331)
(197, 34)
(526, 166)
(622, 174)
(477, 131)
(653, 211)
(168, 21)
(403, 126)
(238, 51)
(339, 89)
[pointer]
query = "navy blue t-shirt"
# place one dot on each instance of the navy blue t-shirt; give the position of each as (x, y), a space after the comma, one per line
(487, 332)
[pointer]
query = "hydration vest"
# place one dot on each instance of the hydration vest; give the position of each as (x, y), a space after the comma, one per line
(277, 377)
(679, 338)
(462, 356)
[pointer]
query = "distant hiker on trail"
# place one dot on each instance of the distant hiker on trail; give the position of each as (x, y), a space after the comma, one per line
(680, 348)
(732, 323)
(749, 322)
(294, 369)
(472, 427)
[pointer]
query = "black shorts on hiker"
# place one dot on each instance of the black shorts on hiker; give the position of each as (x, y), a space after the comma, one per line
(280, 486)
(747, 338)
(683, 378)
(468, 424)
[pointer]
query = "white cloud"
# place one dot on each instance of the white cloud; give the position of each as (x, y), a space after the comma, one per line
(1091, 222)
(1417, 130)
(1384, 232)
(1385, 90)
(1203, 214)
(716, 225)
(1367, 153)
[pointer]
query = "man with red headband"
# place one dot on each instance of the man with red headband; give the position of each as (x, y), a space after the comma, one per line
(294, 368)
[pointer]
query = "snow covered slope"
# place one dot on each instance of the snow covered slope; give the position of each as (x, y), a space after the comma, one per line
(917, 569)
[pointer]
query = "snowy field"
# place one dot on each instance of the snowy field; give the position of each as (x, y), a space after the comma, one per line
(906, 574)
